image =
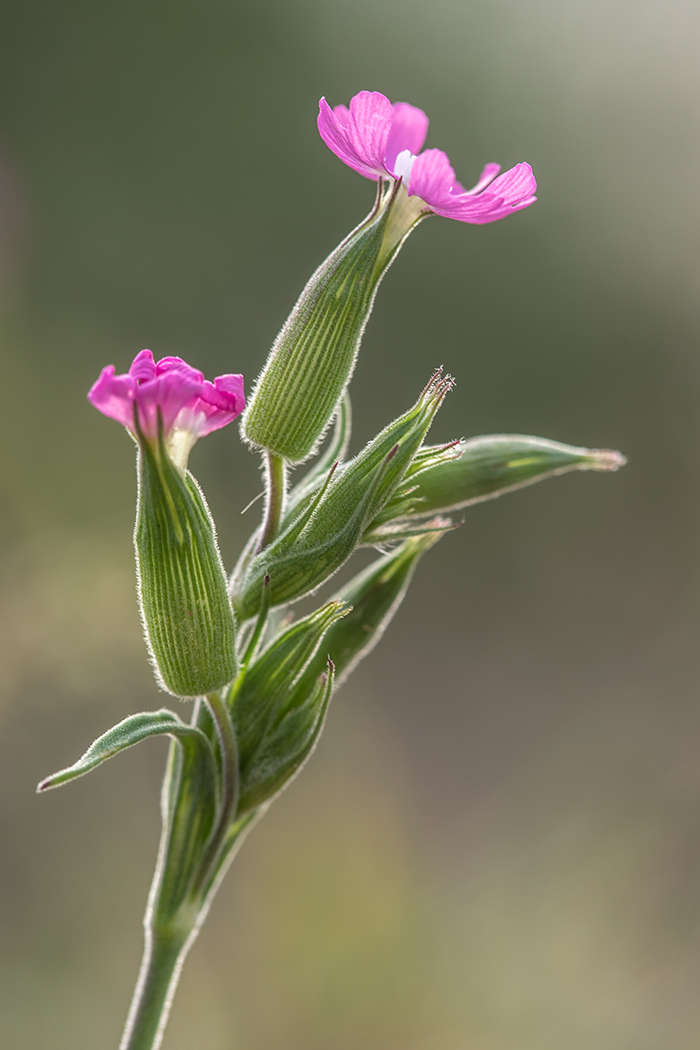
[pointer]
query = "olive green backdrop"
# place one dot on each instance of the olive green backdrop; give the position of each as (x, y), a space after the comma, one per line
(497, 844)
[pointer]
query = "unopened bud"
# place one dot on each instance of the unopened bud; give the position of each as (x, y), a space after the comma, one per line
(488, 466)
(277, 724)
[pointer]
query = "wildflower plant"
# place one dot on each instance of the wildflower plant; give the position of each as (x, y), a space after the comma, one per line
(260, 683)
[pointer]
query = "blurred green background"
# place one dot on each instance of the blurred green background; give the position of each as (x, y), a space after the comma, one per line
(497, 845)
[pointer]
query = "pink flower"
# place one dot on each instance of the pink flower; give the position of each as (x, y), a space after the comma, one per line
(380, 140)
(190, 406)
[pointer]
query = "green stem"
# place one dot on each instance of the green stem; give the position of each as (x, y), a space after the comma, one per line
(229, 787)
(275, 479)
(162, 962)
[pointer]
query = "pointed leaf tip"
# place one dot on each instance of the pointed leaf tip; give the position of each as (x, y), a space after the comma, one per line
(127, 733)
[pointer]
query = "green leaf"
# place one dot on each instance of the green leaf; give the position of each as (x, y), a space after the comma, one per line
(132, 731)
(190, 799)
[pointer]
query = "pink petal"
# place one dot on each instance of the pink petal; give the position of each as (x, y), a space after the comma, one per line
(486, 178)
(359, 135)
(371, 117)
(516, 184)
(479, 210)
(408, 130)
(232, 384)
(176, 364)
(432, 177)
(143, 367)
(220, 402)
(169, 393)
(333, 129)
(114, 396)
(179, 392)
(342, 115)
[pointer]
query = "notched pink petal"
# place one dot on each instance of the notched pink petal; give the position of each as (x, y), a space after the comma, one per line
(220, 402)
(342, 115)
(409, 126)
(176, 364)
(371, 116)
(232, 384)
(432, 177)
(486, 207)
(375, 139)
(337, 137)
(516, 184)
(485, 179)
(114, 396)
(143, 367)
(173, 390)
(177, 392)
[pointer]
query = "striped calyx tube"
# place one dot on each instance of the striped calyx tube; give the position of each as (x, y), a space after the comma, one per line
(185, 607)
(314, 355)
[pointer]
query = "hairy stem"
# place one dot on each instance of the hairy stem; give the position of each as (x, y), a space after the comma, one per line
(229, 786)
(275, 480)
(162, 961)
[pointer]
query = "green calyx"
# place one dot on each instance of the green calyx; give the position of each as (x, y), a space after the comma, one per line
(483, 468)
(186, 611)
(323, 536)
(314, 355)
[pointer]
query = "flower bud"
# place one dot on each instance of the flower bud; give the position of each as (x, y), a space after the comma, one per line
(276, 724)
(314, 355)
(486, 467)
(325, 534)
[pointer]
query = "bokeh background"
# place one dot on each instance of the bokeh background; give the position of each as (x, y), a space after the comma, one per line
(497, 845)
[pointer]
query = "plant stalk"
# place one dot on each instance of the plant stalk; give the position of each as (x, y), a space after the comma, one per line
(160, 970)
(275, 481)
(229, 788)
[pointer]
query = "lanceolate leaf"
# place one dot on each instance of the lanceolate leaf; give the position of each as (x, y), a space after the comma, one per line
(132, 731)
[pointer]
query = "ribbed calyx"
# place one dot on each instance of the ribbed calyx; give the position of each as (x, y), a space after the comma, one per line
(316, 543)
(314, 355)
(185, 607)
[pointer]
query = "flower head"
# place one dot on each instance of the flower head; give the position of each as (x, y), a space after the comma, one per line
(188, 405)
(381, 140)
